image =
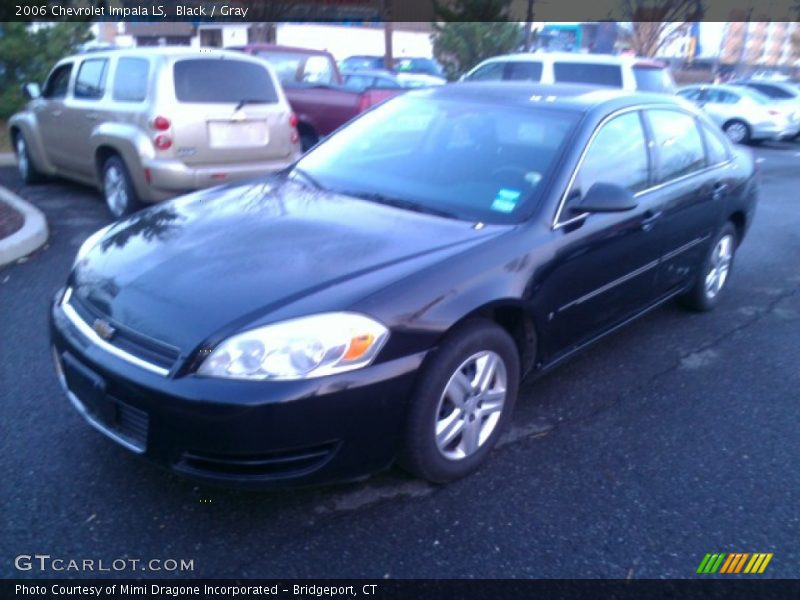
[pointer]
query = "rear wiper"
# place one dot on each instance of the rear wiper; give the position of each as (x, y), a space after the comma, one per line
(400, 203)
(248, 101)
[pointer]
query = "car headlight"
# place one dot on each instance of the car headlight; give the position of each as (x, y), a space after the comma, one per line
(90, 243)
(298, 349)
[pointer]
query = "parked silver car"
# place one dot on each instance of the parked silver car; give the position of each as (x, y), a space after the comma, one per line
(148, 124)
(744, 114)
(780, 92)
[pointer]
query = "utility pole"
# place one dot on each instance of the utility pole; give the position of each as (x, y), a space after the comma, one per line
(388, 27)
(528, 26)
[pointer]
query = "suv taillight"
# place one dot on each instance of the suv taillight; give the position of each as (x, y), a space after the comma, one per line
(293, 120)
(161, 123)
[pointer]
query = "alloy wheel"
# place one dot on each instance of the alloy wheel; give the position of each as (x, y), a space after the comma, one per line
(471, 405)
(720, 265)
(736, 132)
(116, 191)
(23, 163)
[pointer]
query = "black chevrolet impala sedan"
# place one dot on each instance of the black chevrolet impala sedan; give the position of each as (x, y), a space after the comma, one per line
(381, 300)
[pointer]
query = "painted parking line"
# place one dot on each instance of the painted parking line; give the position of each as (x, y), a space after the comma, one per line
(760, 160)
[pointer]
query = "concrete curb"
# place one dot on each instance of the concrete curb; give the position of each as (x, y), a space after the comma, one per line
(7, 159)
(31, 235)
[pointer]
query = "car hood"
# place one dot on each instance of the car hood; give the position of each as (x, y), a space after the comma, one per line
(221, 259)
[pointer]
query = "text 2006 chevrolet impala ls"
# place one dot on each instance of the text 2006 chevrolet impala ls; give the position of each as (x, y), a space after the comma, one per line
(382, 298)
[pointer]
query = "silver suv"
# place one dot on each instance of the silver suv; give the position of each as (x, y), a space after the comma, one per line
(148, 124)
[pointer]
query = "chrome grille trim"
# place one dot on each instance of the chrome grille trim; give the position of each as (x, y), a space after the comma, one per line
(89, 333)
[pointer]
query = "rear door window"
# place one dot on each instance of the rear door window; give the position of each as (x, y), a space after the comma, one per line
(653, 79)
(589, 73)
(773, 91)
(679, 147)
(130, 80)
(200, 80)
(717, 150)
(91, 81)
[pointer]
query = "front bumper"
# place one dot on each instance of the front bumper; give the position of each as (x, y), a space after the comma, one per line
(240, 433)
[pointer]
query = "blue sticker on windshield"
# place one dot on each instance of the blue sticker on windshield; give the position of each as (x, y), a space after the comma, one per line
(506, 200)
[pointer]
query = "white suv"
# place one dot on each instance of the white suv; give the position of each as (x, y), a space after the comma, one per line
(625, 72)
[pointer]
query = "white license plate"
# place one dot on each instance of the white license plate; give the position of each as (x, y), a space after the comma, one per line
(246, 134)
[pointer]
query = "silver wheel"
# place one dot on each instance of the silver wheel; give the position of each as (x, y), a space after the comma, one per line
(736, 132)
(720, 265)
(116, 190)
(23, 162)
(471, 405)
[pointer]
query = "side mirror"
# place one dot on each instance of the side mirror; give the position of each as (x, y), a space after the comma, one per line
(31, 91)
(605, 198)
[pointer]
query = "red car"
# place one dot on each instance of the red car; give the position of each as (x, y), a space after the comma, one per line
(315, 89)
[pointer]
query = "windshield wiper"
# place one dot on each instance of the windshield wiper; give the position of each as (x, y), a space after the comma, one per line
(310, 179)
(400, 203)
(248, 101)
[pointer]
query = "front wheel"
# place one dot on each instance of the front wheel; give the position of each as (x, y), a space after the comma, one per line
(714, 272)
(27, 169)
(117, 188)
(463, 401)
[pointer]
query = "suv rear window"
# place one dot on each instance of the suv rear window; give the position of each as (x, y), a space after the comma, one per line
(590, 73)
(210, 80)
(653, 79)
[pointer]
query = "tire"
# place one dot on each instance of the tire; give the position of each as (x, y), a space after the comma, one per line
(700, 297)
(118, 191)
(25, 165)
(308, 139)
(738, 131)
(473, 430)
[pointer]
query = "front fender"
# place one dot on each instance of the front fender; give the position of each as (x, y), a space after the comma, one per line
(25, 122)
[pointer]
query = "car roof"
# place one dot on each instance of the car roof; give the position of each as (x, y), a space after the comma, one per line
(606, 59)
(370, 73)
(279, 48)
(570, 97)
(165, 51)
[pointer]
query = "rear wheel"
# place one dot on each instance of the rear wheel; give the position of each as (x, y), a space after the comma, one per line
(463, 401)
(714, 272)
(27, 169)
(118, 190)
(738, 132)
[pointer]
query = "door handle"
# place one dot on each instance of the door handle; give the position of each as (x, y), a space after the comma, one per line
(649, 220)
(719, 191)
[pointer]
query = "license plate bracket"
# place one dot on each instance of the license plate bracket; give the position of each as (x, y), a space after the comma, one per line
(90, 389)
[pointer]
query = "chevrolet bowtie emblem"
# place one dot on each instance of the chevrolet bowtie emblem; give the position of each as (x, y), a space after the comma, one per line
(103, 328)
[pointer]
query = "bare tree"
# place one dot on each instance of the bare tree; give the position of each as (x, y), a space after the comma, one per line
(657, 23)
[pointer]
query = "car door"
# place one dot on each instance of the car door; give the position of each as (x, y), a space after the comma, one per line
(605, 265)
(690, 186)
(49, 111)
(720, 105)
(82, 113)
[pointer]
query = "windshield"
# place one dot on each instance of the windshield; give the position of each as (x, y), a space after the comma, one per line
(473, 161)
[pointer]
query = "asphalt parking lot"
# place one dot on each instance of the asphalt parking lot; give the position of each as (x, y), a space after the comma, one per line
(673, 438)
